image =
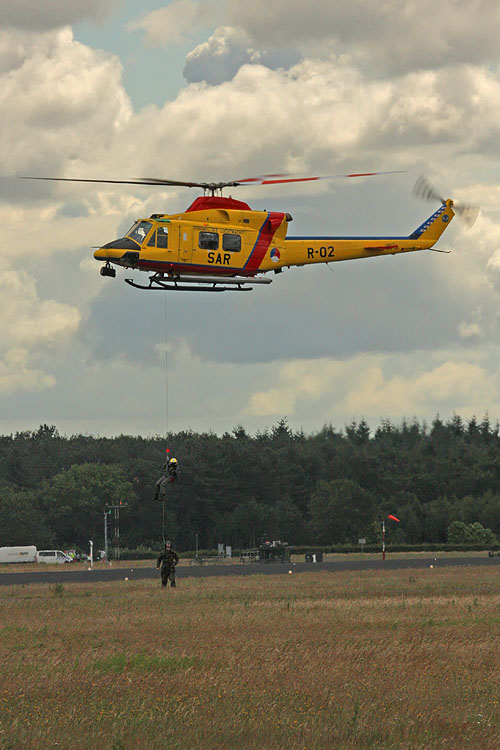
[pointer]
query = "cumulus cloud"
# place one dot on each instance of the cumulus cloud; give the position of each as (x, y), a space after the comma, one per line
(472, 328)
(30, 326)
(65, 102)
(17, 375)
(376, 386)
(175, 21)
(494, 261)
(40, 16)
(461, 383)
(27, 320)
(435, 121)
(222, 55)
(392, 36)
(72, 117)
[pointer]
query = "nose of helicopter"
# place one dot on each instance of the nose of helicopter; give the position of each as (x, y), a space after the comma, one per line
(109, 254)
(115, 250)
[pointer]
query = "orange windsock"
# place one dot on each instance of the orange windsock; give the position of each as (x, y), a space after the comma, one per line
(393, 518)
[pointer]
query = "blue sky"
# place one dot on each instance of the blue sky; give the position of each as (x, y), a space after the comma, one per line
(151, 75)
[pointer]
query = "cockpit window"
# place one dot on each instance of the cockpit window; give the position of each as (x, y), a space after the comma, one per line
(139, 231)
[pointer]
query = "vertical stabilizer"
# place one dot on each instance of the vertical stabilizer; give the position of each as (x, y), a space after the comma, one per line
(433, 228)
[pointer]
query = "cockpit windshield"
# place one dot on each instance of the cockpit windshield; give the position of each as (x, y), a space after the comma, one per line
(139, 231)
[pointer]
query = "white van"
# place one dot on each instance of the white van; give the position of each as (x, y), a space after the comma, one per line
(53, 556)
(18, 554)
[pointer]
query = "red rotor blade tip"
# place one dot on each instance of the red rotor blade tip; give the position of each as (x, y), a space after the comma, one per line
(393, 518)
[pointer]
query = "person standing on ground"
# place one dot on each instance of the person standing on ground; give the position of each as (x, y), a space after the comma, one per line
(167, 559)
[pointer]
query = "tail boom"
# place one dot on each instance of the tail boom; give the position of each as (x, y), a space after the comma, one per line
(306, 250)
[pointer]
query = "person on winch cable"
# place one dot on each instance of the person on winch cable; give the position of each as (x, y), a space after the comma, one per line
(171, 472)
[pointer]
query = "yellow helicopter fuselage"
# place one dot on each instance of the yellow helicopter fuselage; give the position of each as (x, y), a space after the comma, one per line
(221, 237)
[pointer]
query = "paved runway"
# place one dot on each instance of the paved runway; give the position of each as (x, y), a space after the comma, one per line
(196, 571)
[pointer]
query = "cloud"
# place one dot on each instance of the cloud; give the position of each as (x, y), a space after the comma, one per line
(472, 328)
(69, 102)
(40, 16)
(375, 387)
(463, 384)
(390, 37)
(313, 97)
(17, 376)
(30, 327)
(416, 117)
(494, 262)
(29, 321)
(222, 55)
(315, 345)
(176, 21)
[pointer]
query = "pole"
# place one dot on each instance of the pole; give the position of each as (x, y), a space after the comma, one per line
(383, 540)
(106, 534)
(116, 541)
(117, 531)
(91, 553)
(196, 546)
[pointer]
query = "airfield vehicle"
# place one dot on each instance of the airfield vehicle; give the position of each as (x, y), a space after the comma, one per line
(18, 554)
(53, 556)
(275, 551)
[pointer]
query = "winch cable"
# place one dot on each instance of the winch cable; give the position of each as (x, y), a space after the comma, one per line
(166, 409)
(166, 365)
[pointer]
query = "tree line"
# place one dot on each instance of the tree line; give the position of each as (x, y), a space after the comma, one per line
(329, 487)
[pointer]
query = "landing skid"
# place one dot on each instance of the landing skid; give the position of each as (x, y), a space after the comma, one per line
(189, 283)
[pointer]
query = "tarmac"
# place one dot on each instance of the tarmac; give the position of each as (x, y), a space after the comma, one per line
(244, 569)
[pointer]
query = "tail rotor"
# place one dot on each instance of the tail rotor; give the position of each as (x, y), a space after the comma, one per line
(424, 190)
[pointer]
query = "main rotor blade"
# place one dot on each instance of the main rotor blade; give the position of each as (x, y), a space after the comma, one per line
(142, 181)
(276, 181)
(258, 180)
(214, 185)
(267, 179)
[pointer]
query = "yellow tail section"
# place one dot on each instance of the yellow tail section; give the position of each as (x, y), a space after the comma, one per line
(432, 229)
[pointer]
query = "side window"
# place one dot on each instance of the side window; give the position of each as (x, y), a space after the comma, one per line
(162, 237)
(231, 242)
(159, 238)
(209, 241)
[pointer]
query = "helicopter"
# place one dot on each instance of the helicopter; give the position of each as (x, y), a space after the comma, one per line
(221, 244)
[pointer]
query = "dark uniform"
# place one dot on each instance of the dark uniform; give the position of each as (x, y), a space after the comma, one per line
(170, 473)
(168, 559)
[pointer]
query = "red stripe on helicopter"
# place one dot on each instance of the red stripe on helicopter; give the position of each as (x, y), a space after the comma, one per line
(266, 234)
(381, 247)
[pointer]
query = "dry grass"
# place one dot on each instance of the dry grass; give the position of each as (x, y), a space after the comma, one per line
(392, 659)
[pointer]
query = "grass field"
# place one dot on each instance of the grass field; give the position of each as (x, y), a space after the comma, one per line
(392, 659)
